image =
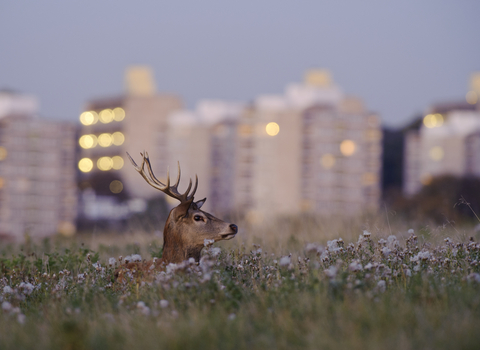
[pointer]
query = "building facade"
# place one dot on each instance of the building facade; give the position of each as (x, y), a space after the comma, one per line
(311, 150)
(447, 142)
(38, 190)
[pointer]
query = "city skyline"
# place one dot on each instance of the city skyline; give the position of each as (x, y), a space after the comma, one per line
(398, 58)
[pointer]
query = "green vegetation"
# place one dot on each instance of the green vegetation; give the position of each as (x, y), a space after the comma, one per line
(374, 292)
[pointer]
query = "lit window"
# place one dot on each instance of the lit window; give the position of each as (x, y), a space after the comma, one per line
(118, 138)
(104, 163)
(327, 161)
(116, 186)
(433, 120)
(3, 153)
(369, 179)
(471, 97)
(245, 130)
(88, 118)
(373, 135)
(347, 147)
(105, 140)
(118, 114)
(85, 165)
(117, 162)
(436, 153)
(106, 116)
(272, 129)
(88, 141)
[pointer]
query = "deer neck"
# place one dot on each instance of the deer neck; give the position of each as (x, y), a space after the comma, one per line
(175, 249)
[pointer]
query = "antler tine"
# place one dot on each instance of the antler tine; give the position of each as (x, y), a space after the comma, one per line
(194, 188)
(188, 189)
(178, 176)
(133, 162)
(150, 171)
(141, 171)
(152, 180)
(168, 178)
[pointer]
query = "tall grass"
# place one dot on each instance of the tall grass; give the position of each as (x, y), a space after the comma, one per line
(292, 285)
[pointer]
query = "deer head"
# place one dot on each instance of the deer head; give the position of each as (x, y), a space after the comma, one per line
(187, 226)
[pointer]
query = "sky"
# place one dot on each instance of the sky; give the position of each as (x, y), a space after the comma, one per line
(398, 56)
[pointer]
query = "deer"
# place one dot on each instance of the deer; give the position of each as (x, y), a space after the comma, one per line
(187, 229)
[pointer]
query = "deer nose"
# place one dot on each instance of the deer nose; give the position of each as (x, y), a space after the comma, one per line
(234, 228)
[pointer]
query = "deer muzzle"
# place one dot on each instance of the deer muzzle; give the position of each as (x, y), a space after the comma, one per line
(232, 234)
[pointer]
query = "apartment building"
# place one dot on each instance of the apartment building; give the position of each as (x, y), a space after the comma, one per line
(447, 142)
(203, 141)
(134, 122)
(312, 149)
(38, 190)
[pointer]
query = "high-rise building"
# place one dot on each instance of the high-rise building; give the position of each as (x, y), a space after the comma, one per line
(111, 127)
(203, 141)
(38, 190)
(312, 149)
(446, 142)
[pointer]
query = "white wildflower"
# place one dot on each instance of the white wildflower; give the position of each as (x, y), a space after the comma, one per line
(163, 303)
(111, 262)
(171, 268)
(474, 277)
(411, 231)
(386, 251)
(381, 286)
(366, 234)
(284, 261)
(331, 271)
(136, 258)
(392, 242)
(27, 288)
(355, 266)
(208, 242)
(369, 266)
(21, 318)
(408, 272)
(332, 246)
(382, 241)
(231, 317)
(314, 248)
(7, 290)
(423, 255)
(215, 251)
(6, 306)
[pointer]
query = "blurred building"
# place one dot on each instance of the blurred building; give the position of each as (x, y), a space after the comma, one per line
(203, 141)
(135, 122)
(38, 191)
(446, 143)
(312, 149)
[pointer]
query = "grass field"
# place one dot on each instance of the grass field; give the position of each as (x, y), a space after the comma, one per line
(293, 285)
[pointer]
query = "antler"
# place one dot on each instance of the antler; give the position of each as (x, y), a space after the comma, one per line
(171, 191)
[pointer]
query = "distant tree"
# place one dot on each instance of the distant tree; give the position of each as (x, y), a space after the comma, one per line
(444, 199)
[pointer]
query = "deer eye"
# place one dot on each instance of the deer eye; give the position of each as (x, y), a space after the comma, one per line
(197, 218)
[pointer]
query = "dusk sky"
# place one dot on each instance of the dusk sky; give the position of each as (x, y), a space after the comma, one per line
(399, 57)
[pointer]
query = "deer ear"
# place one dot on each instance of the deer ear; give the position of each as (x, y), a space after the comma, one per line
(182, 209)
(200, 203)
